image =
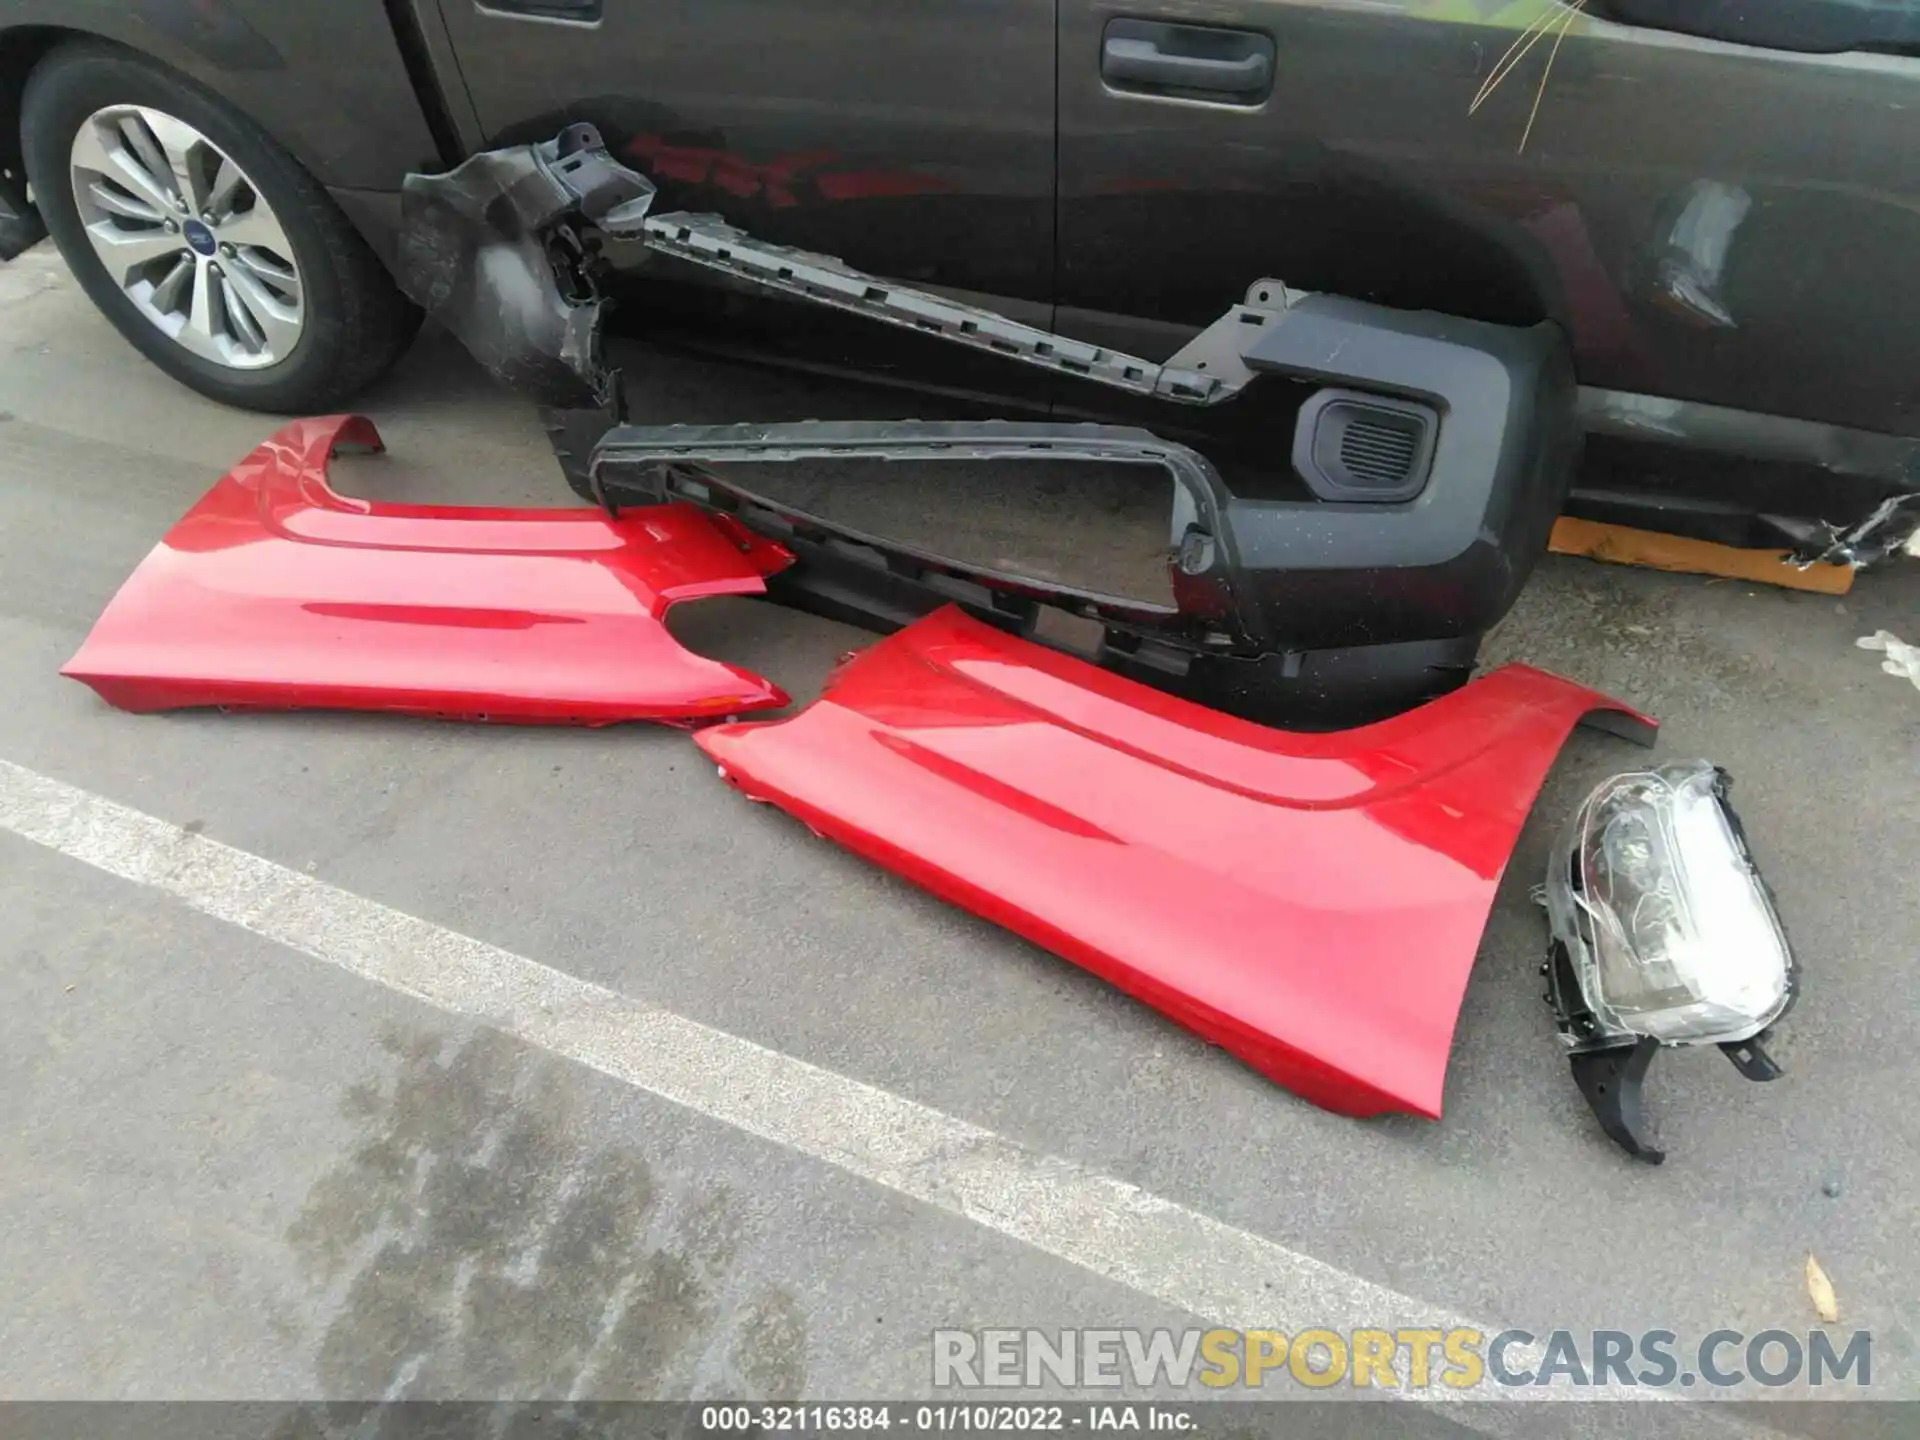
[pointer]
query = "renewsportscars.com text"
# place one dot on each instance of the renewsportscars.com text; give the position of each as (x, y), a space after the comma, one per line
(1399, 1359)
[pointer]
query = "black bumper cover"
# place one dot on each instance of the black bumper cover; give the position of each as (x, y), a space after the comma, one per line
(1433, 485)
(1306, 612)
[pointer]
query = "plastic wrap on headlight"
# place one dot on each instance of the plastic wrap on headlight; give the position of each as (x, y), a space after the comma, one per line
(1663, 934)
(1670, 929)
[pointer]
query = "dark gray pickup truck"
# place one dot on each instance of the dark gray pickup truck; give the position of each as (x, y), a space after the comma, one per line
(1718, 204)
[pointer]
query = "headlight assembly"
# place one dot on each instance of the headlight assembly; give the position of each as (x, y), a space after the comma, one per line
(1663, 934)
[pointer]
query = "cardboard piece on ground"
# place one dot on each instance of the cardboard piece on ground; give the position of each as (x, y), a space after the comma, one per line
(1620, 545)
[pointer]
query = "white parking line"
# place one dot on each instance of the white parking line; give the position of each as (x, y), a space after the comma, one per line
(1166, 1251)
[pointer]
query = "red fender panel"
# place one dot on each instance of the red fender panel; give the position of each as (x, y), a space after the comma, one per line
(274, 592)
(1311, 902)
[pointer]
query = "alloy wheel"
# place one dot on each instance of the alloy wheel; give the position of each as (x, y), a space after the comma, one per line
(187, 236)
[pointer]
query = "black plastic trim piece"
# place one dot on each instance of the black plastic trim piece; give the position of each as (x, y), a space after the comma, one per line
(709, 241)
(1320, 449)
(1332, 687)
(1449, 562)
(1351, 607)
(1751, 1059)
(1610, 1080)
(652, 463)
(1492, 385)
(1220, 646)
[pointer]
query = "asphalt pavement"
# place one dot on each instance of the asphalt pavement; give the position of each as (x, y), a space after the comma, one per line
(770, 1116)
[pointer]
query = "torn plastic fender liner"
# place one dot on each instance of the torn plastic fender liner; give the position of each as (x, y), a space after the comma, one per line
(274, 592)
(493, 250)
(1311, 902)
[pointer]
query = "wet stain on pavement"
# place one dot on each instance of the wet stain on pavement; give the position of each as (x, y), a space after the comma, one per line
(770, 1351)
(473, 1246)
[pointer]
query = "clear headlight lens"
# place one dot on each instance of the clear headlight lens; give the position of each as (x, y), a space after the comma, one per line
(1670, 931)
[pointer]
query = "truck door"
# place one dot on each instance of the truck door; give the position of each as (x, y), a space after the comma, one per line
(1729, 215)
(911, 140)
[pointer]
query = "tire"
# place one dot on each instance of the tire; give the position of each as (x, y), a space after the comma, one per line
(350, 323)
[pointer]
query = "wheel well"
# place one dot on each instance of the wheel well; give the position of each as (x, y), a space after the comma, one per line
(20, 50)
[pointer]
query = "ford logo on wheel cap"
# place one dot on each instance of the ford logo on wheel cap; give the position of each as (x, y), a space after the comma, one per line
(200, 237)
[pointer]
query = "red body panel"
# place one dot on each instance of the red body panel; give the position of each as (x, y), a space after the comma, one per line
(276, 593)
(1311, 902)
